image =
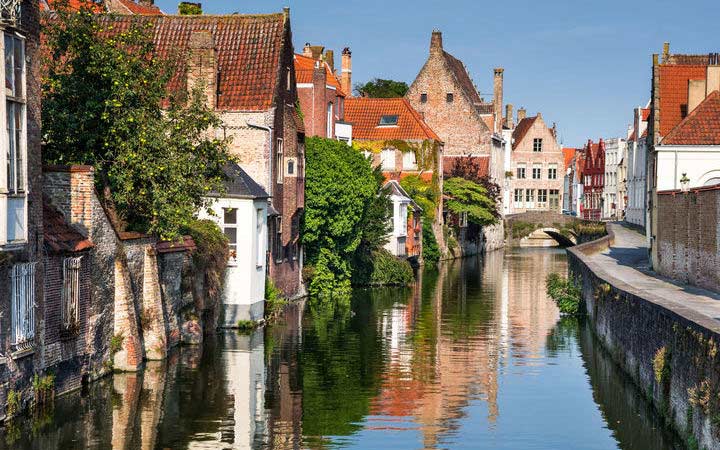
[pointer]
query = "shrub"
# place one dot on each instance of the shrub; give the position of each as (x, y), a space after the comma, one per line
(564, 292)
(390, 271)
(430, 248)
(211, 254)
(274, 300)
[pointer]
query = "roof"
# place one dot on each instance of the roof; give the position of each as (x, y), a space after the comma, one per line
(700, 127)
(522, 128)
(248, 52)
(674, 93)
(59, 236)
(131, 7)
(304, 68)
(365, 113)
(73, 5)
(396, 189)
(645, 112)
(483, 162)
(186, 244)
(241, 185)
(458, 69)
(568, 154)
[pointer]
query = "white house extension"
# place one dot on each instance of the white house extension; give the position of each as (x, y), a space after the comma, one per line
(241, 213)
(402, 205)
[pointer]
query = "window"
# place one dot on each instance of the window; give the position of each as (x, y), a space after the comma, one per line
(409, 161)
(291, 167)
(279, 160)
(22, 304)
(537, 144)
(278, 240)
(386, 121)
(260, 237)
(14, 157)
(530, 195)
(449, 97)
(542, 195)
(519, 196)
(229, 227)
(552, 172)
(387, 159)
(521, 171)
(537, 168)
(423, 98)
(329, 128)
(402, 224)
(288, 79)
(71, 293)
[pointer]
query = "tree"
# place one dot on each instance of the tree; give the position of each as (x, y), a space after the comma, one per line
(468, 197)
(379, 88)
(189, 9)
(103, 91)
(469, 168)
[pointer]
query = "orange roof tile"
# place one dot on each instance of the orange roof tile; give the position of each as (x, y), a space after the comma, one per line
(674, 93)
(304, 68)
(645, 113)
(700, 127)
(58, 235)
(364, 115)
(248, 52)
(73, 5)
(568, 154)
(138, 8)
(522, 128)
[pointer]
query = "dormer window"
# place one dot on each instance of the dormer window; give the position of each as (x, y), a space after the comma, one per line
(386, 121)
(449, 97)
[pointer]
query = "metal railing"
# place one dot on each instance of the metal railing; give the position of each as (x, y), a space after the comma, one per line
(22, 304)
(71, 292)
(10, 11)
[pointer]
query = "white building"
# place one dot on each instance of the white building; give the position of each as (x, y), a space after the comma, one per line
(689, 156)
(242, 213)
(612, 203)
(402, 205)
(636, 208)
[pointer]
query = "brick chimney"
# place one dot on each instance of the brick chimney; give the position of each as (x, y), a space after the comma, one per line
(436, 45)
(330, 59)
(666, 52)
(202, 66)
(509, 116)
(307, 50)
(346, 74)
(521, 114)
(498, 97)
(71, 190)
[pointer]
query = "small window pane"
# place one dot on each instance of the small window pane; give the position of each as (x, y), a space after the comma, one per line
(291, 168)
(388, 120)
(230, 215)
(19, 58)
(231, 235)
(9, 70)
(449, 98)
(15, 219)
(423, 98)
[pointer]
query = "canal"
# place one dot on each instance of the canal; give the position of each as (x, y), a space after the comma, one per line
(473, 356)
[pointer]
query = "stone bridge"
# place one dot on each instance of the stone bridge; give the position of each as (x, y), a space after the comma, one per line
(557, 226)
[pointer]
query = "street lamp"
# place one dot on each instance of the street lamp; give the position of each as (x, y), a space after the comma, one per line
(684, 182)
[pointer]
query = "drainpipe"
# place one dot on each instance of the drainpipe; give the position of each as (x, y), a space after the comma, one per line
(270, 156)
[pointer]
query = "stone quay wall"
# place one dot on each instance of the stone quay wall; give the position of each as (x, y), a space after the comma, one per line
(670, 352)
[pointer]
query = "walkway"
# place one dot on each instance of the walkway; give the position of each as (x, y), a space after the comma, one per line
(627, 260)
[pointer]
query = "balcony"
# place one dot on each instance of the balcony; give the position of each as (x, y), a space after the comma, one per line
(10, 11)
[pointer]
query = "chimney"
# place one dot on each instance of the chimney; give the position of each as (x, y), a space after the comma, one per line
(436, 45)
(346, 74)
(696, 93)
(330, 59)
(713, 79)
(498, 97)
(316, 51)
(202, 66)
(147, 2)
(509, 116)
(307, 50)
(521, 114)
(666, 52)
(538, 115)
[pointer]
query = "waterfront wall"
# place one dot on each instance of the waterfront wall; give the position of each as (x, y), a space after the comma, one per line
(687, 236)
(670, 352)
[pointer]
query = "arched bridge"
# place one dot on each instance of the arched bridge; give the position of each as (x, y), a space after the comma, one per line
(558, 226)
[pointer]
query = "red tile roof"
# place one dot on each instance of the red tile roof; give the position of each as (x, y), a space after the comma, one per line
(187, 244)
(248, 52)
(568, 154)
(700, 127)
(304, 68)
(645, 112)
(522, 129)
(364, 115)
(483, 165)
(674, 93)
(73, 5)
(59, 236)
(137, 8)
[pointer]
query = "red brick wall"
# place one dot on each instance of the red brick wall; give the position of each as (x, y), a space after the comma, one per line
(313, 104)
(687, 237)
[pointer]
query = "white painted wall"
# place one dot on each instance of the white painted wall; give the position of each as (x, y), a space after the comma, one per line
(507, 167)
(614, 149)
(700, 163)
(244, 293)
(636, 183)
(343, 131)
(399, 232)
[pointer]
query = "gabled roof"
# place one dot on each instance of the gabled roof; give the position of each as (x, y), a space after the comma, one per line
(568, 154)
(241, 185)
(248, 50)
(674, 92)
(396, 189)
(131, 7)
(73, 5)
(365, 113)
(304, 68)
(458, 69)
(522, 129)
(58, 235)
(700, 127)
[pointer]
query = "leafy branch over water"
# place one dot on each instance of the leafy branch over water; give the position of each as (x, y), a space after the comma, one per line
(565, 293)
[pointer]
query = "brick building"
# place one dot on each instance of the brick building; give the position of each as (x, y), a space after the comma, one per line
(322, 97)
(257, 108)
(537, 165)
(593, 176)
(141, 7)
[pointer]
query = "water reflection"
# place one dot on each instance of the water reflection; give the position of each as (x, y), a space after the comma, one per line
(473, 355)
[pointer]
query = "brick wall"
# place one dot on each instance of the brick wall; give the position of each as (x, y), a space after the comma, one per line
(688, 236)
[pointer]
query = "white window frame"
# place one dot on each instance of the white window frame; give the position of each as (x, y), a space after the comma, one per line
(329, 125)
(523, 167)
(279, 160)
(22, 305)
(537, 145)
(409, 161)
(402, 219)
(260, 236)
(387, 159)
(70, 312)
(232, 248)
(519, 193)
(552, 172)
(537, 169)
(278, 246)
(18, 192)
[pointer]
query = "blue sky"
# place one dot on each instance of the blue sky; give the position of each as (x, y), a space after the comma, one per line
(583, 64)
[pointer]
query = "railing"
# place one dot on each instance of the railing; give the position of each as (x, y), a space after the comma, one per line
(22, 304)
(71, 292)
(10, 11)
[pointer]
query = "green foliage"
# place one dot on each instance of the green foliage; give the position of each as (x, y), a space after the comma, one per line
(116, 343)
(469, 168)
(246, 325)
(103, 90)
(189, 9)
(342, 213)
(465, 196)
(14, 401)
(44, 388)
(422, 193)
(565, 293)
(661, 368)
(211, 253)
(274, 300)
(380, 88)
(520, 229)
(389, 270)
(430, 249)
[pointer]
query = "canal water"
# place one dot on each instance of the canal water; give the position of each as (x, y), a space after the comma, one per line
(473, 356)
